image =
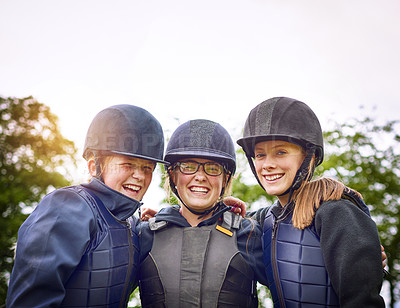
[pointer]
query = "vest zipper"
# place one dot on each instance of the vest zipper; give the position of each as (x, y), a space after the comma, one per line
(275, 227)
(130, 265)
(275, 265)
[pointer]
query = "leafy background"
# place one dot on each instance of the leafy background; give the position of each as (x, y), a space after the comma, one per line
(35, 159)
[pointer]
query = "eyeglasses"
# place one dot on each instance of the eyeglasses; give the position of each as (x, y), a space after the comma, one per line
(191, 167)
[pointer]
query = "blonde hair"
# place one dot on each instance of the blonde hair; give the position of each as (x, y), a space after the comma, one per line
(311, 194)
(103, 160)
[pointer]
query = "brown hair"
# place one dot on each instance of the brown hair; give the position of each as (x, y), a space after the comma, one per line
(103, 160)
(311, 194)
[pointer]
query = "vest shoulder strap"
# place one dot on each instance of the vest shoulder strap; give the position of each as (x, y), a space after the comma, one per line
(154, 226)
(231, 221)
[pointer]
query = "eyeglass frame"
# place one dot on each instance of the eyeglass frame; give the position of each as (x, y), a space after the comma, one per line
(178, 164)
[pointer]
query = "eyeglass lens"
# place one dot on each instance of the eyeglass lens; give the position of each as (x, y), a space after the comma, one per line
(191, 167)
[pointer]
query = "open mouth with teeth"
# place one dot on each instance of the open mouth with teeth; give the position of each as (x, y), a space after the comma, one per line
(131, 188)
(199, 190)
(273, 177)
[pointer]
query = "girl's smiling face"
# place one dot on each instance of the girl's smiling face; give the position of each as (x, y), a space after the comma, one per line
(198, 191)
(276, 164)
(130, 176)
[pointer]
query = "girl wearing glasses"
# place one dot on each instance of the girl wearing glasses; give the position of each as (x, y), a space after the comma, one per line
(200, 254)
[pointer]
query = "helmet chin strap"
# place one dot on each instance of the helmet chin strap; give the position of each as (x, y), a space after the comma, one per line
(204, 213)
(253, 169)
(301, 174)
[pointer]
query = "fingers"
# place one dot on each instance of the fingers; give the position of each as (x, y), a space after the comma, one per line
(147, 213)
(384, 257)
(238, 206)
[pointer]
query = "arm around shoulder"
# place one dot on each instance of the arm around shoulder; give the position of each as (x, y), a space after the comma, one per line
(250, 245)
(259, 215)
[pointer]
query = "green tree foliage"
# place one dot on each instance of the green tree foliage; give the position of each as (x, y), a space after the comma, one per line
(32, 153)
(365, 156)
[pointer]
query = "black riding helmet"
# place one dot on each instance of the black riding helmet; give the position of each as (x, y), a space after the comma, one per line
(201, 139)
(287, 119)
(126, 130)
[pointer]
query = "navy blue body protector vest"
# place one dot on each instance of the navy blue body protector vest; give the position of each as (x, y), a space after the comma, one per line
(294, 264)
(196, 267)
(106, 272)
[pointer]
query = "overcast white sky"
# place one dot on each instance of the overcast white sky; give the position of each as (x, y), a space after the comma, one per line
(214, 59)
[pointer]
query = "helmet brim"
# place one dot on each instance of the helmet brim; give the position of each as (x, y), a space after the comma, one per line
(248, 143)
(141, 157)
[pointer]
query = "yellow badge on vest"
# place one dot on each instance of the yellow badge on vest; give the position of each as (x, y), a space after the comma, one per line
(223, 230)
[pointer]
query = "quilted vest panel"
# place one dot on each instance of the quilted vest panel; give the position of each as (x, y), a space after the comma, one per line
(294, 266)
(104, 276)
(196, 267)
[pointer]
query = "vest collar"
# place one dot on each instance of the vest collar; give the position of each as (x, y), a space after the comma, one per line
(118, 204)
